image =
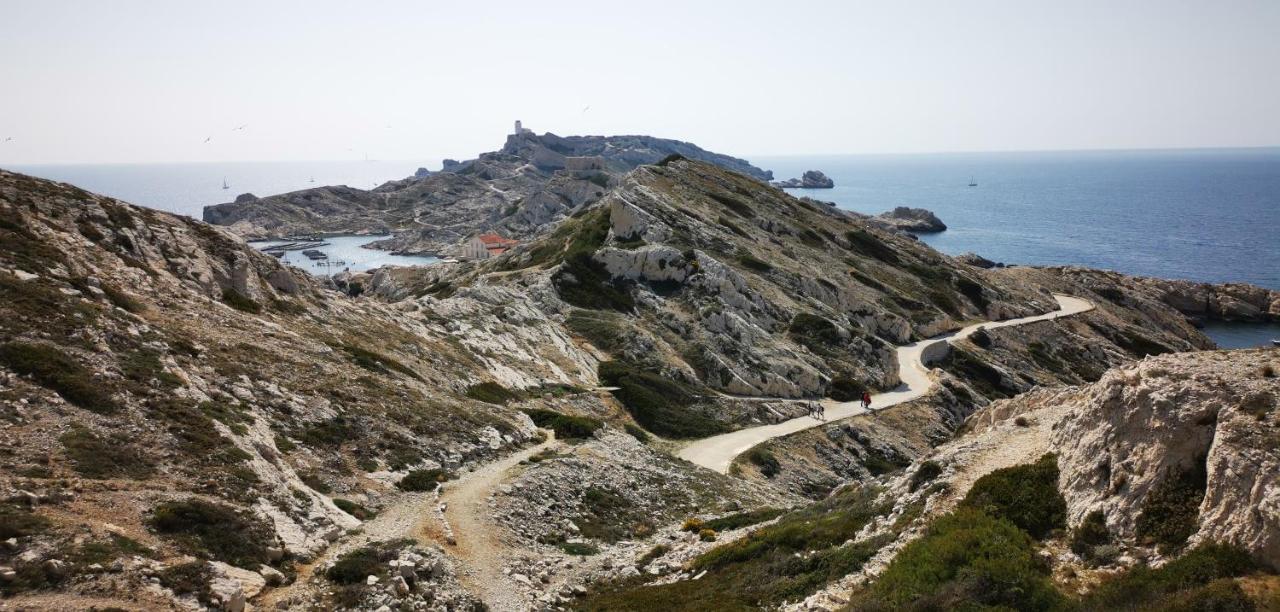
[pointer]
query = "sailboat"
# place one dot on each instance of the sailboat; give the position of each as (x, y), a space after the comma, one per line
(313, 179)
(972, 183)
(224, 183)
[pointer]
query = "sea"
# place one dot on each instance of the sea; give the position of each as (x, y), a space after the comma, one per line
(1208, 215)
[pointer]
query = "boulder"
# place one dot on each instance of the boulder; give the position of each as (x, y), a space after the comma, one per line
(245, 197)
(812, 179)
(907, 219)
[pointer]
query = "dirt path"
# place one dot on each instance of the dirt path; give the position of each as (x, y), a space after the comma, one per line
(717, 452)
(414, 516)
(480, 553)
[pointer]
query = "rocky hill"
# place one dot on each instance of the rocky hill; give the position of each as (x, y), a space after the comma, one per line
(518, 191)
(188, 422)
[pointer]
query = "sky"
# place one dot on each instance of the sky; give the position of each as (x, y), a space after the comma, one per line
(139, 81)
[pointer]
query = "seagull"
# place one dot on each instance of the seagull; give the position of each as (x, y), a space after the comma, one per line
(240, 128)
(586, 109)
(8, 139)
(206, 141)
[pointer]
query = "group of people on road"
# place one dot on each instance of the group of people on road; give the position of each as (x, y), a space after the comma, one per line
(819, 411)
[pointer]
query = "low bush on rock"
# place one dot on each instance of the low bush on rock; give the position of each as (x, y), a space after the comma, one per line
(422, 480)
(782, 562)
(743, 519)
(585, 283)
(50, 367)
(240, 301)
(353, 508)
(1190, 582)
(925, 474)
(215, 530)
(101, 457)
(606, 330)
(967, 559)
(492, 393)
(660, 404)
(566, 426)
(188, 579)
(1025, 495)
(1091, 534)
(16, 522)
(356, 566)
(765, 460)
(1171, 511)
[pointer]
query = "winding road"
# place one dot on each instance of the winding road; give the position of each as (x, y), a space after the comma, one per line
(717, 452)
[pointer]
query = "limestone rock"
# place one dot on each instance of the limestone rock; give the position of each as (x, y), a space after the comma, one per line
(911, 220)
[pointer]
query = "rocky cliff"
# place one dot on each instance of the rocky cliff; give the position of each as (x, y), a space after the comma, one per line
(517, 191)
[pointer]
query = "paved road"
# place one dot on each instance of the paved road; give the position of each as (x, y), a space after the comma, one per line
(717, 452)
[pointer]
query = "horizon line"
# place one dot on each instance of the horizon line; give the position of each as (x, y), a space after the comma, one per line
(746, 156)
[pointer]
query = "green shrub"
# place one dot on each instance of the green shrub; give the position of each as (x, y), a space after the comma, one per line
(219, 531)
(973, 291)
(579, 548)
(765, 460)
(59, 372)
(111, 457)
(845, 389)
(968, 560)
(738, 207)
(375, 362)
(422, 480)
(240, 301)
(491, 392)
(659, 404)
(707, 535)
(653, 553)
(817, 333)
(356, 566)
(121, 299)
(862, 242)
(743, 519)
(1091, 533)
(637, 433)
(329, 434)
(1140, 586)
(751, 263)
(1171, 510)
(191, 578)
(669, 158)
(566, 426)
(733, 227)
(18, 522)
(585, 283)
(606, 330)
(1025, 495)
(353, 509)
(925, 474)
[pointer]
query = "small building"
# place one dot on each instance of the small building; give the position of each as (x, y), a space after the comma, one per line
(521, 129)
(488, 245)
(584, 164)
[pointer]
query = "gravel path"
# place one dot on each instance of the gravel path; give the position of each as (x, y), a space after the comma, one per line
(480, 553)
(717, 452)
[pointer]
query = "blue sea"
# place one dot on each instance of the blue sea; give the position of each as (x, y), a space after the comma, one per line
(1205, 215)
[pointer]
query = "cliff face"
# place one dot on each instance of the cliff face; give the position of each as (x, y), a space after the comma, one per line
(1178, 450)
(518, 191)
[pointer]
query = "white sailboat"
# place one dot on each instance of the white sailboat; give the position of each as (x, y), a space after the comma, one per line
(224, 183)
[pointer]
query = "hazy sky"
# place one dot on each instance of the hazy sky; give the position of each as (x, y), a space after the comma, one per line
(131, 81)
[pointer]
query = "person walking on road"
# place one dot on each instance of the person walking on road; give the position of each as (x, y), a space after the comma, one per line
(866, 400)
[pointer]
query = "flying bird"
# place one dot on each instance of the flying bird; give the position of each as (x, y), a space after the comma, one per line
(240, 128)
(206, 141)
(586, 109)
(8, 139)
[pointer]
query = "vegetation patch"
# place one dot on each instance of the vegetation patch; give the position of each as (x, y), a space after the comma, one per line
(751, 263)
(189, 579)
(637, 432)
(16, 522)
(845, 389)
(354, 509)
(581, 549)
(1190, 582)
(606, 330)
(862, 242)
(925, 474)
(610, 516)
(59, 372)
(331, 433)
(104, 457)
(765, 460)
(492, 393)
(585, 283)
(240, 301)
(966, 560)
(1171, 511)
(1090, 534)
(738, 207)
(213, 530)
(375, 362)
(816, 333)
(660, 404)
(743, 519)
(356, 566)
(782, 562)
(566, 426)
(731, 226)
(422, 480)
(1025, 495)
